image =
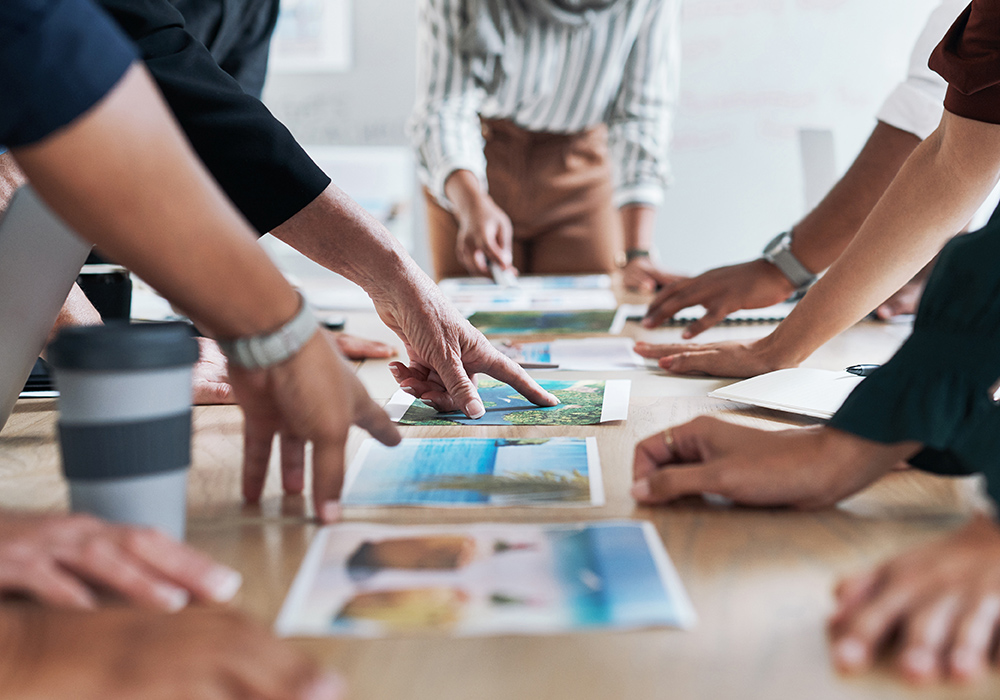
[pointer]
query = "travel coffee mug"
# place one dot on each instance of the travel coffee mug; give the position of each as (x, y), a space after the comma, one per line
(125, 420)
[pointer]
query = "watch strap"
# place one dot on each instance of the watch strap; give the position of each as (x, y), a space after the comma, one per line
(779, 253)
(267, 350)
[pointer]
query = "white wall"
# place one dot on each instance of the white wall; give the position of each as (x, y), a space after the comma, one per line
(755, 72)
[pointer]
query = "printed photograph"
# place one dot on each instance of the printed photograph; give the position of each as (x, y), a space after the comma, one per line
(362, 579)
(543, 322)
(581, 403)
(475, 472)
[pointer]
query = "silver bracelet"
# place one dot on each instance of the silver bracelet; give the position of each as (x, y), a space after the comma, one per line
(262, 351)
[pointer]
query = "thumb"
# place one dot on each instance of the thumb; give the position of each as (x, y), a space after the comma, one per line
(460, 387)
(688, 363)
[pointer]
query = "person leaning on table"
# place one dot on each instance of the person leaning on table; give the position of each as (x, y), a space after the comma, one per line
(909, 114)
(278, 188)
(543, 99)
(86, 126)
(931, 404)
(876, 262)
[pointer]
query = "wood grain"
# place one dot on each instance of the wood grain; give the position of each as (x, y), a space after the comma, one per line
(760, 580)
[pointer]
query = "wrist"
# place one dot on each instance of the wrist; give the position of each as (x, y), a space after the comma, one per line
(778, 252)
(466, 194)
(264, 350)
(862, 454)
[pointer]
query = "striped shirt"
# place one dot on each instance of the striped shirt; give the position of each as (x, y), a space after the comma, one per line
(622, 69)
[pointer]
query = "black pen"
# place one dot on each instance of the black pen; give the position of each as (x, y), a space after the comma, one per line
(862, 370)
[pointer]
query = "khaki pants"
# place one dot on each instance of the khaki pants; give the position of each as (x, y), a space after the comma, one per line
(557, 191)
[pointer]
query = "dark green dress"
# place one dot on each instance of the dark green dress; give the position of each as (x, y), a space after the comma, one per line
(937, 389)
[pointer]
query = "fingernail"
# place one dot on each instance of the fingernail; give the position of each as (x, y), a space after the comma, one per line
(475, 409)
(647, 323)
(850, 654)
(919, 661)
(330, 512)
(666, 361)
(687, 335)
(395, 371)
(223, 583)
(173, 598)
(641, 490)
(554, 399)
(327, 687)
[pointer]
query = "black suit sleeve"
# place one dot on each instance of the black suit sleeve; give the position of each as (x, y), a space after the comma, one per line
(252, 155)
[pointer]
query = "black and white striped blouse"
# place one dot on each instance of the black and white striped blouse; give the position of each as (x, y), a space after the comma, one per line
(620, 67)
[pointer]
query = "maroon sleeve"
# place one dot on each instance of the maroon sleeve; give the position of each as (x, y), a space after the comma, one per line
(969, 59)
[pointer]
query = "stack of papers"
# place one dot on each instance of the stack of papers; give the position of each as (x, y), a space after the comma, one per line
(509, 323)
(576, 354)
(808, 392)
(542, 293)
(367, 580)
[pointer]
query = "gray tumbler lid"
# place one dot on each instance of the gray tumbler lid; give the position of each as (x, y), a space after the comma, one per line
(123, 346)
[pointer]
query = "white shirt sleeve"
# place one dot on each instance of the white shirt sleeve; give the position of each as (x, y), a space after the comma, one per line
(444, 126)
(640, 124)
(917, 103)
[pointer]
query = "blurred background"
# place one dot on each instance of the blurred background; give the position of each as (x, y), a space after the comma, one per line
(769, 89)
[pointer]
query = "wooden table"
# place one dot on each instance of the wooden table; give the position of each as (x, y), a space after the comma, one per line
(760, 580)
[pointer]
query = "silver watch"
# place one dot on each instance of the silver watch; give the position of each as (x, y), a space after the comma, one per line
(262, 351)
(779, 253)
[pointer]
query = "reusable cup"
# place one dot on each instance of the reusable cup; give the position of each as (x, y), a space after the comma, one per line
(125, 420)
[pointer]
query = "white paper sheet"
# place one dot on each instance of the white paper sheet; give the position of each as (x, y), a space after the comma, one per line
(809, 392)
(576, 354)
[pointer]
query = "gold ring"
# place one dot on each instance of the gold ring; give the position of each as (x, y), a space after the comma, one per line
(668, 439)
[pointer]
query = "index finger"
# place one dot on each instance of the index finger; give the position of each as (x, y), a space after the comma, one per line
(501, 367)
(668, 302)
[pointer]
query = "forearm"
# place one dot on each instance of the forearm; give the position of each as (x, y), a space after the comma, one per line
(464, 191)
(336, 232)
(194, 247)
(638, 221)
(829, 228)
(936, 192)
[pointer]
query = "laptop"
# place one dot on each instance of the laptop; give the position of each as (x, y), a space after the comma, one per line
(39, 261)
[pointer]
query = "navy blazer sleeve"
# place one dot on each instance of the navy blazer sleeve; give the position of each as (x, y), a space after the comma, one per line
(58, 58)
(252, 155)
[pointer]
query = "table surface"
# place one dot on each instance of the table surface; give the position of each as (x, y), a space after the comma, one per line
(760, 580)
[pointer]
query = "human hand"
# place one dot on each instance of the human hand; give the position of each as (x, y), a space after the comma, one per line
(802, 467)
(721, 291)
(312, 397)
(484, 236)
(907, 298)
(940, 603)
(121, 654)
(64, 559)
(445, 351)
(355, 348)
(641, 275)
(210, 376)
(734, 358)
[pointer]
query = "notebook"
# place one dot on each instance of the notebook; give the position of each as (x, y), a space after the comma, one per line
(768, 314)
(808, 392)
